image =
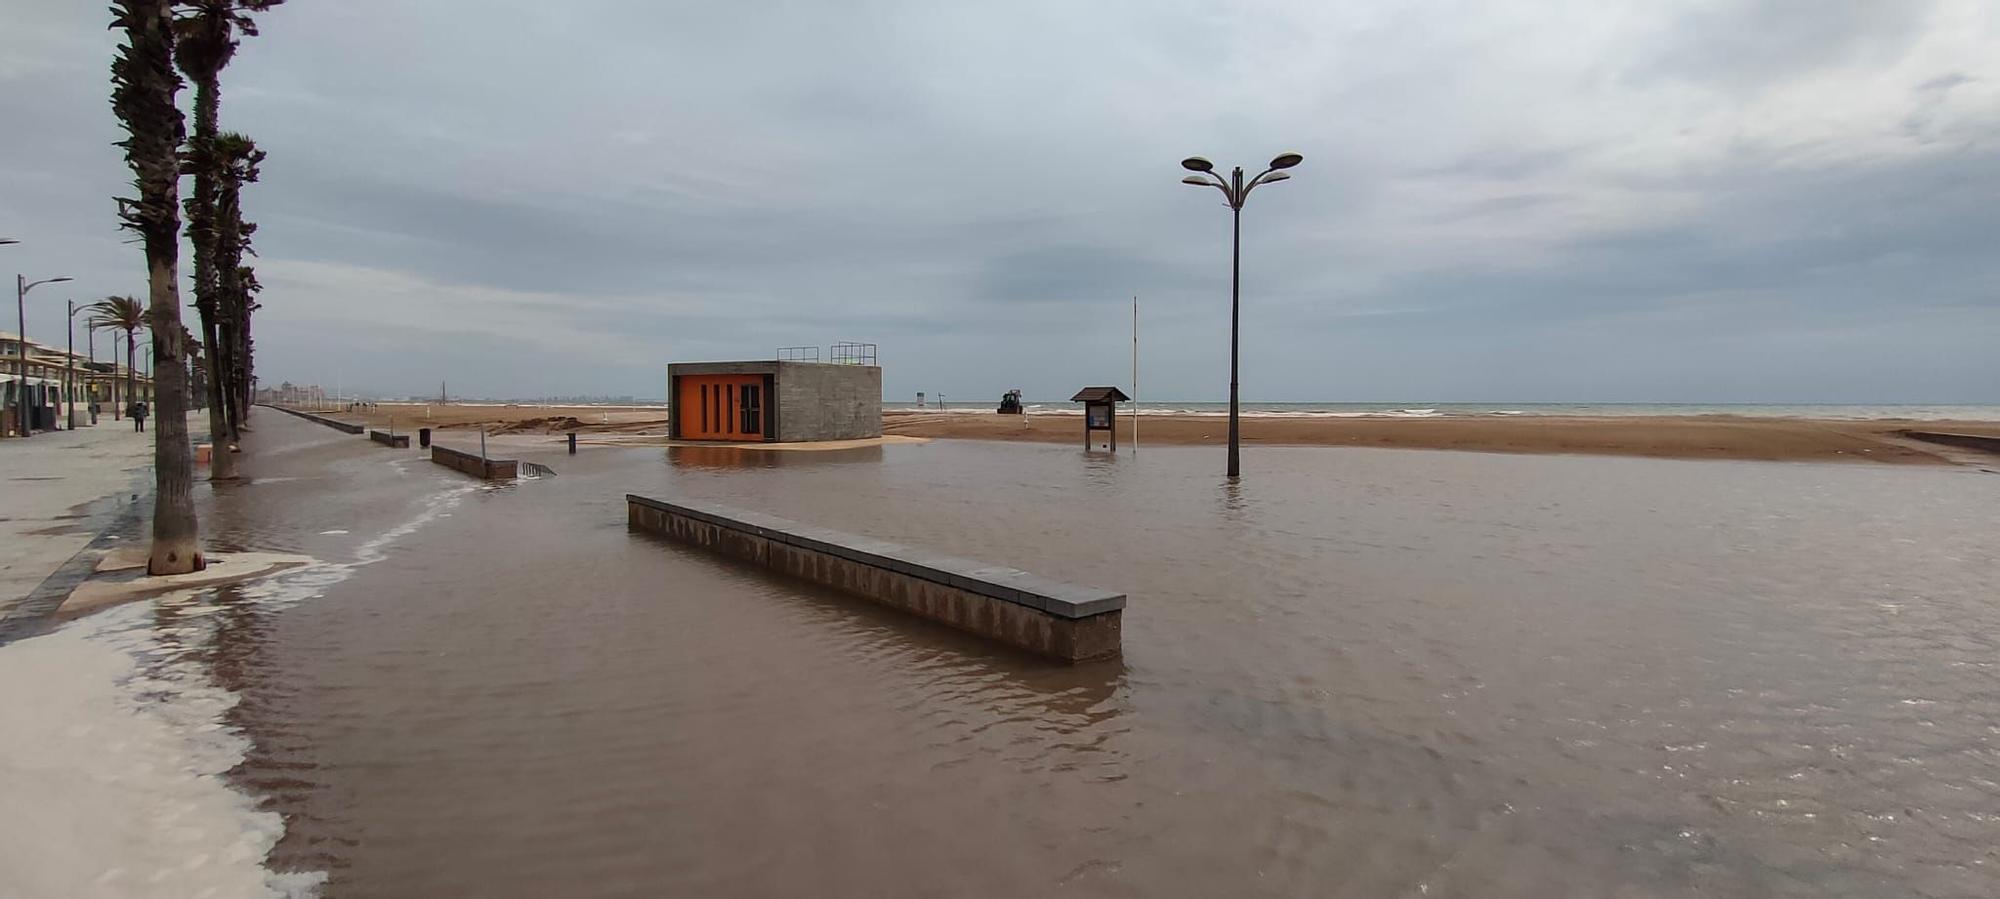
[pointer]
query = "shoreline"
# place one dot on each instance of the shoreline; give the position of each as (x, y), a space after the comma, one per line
(1729, 437)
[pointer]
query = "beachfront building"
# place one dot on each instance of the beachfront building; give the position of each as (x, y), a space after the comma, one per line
(775, 401)
(302, 396)
(50, 388)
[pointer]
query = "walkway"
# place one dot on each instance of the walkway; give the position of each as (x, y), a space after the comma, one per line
(57, 490)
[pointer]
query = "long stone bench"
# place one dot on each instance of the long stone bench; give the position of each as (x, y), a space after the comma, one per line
(397, 441)
(336, 424)
(490, 469)
(1967, 441)
(1009, 605)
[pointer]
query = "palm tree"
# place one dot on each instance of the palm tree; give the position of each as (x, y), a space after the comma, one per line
(205, 42)
(142, 94)
(236, 283)
(121, 314)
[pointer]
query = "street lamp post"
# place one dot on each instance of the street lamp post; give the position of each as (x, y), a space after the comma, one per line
(90, 389)
(21, 287)
(69, 359)
(1236, 190)
(24, 349)
(115, 405)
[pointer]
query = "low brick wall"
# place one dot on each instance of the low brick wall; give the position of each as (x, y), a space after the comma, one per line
(347, 427)
(397, 441)
(1064, 621)
(470, 463)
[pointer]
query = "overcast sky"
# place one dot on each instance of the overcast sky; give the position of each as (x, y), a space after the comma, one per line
(1613, 201)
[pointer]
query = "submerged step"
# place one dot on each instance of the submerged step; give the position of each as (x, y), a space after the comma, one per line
(1066, 621)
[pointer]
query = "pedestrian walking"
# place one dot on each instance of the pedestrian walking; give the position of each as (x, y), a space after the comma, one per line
(138, 413)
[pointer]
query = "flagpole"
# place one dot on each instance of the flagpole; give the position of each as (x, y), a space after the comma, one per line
(1135, 375)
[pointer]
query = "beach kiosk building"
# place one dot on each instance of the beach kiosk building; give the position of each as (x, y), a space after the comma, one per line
(774, 401)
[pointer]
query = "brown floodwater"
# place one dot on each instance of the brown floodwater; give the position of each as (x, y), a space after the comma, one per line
(1359, 673)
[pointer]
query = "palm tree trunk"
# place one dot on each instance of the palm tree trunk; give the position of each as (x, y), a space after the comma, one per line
(131, 364)
(144, 84)
(221, 431)
(176, 538)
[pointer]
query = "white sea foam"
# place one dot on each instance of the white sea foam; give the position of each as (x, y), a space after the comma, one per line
(111, 762)
(113, 751)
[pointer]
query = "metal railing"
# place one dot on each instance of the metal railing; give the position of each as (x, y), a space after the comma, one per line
(846, 353)
(798, 354)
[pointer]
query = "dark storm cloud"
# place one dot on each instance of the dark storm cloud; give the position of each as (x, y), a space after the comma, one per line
(1502, 201)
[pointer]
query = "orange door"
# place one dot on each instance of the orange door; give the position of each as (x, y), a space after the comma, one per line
(721, 407)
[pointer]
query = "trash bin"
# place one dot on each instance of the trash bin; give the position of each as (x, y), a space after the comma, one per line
(424, 438)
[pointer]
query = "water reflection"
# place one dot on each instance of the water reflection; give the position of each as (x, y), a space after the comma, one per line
(723, 458)
(1233, 503)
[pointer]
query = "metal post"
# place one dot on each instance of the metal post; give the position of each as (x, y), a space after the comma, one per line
(21, 355)
(69, 376)
(1236, 191)
(1235, 269)
(572, 443)
(1135, 376)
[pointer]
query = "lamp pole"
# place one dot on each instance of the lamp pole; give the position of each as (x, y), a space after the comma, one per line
(1236, 191)
(21, 287)
(69, 357)
(24, 347)
(90, 341)
(114, 376)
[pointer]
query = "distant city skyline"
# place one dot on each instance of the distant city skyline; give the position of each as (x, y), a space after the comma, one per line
(1716, 202)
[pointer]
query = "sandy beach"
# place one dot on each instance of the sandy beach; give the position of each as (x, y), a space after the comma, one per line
(1666, 437)
(1690, 437)
(506, 418)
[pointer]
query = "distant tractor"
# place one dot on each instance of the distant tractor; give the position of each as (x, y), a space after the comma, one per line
(1010, 403)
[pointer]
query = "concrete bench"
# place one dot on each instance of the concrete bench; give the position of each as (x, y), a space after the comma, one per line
(346, 427)
(489, 469)
(1066, 621)
(1966, 441)
(396, 441)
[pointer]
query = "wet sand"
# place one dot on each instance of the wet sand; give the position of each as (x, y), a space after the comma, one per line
(1355, 673)
(506, 419)
(1687, 437)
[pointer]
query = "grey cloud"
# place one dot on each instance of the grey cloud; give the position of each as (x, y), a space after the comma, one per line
(1752, 44)
(1483, 208)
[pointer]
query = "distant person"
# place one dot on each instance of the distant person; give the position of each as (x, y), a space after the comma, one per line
(138, 413)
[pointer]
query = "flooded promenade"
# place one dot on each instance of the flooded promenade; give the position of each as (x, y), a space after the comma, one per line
(1358, 673)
